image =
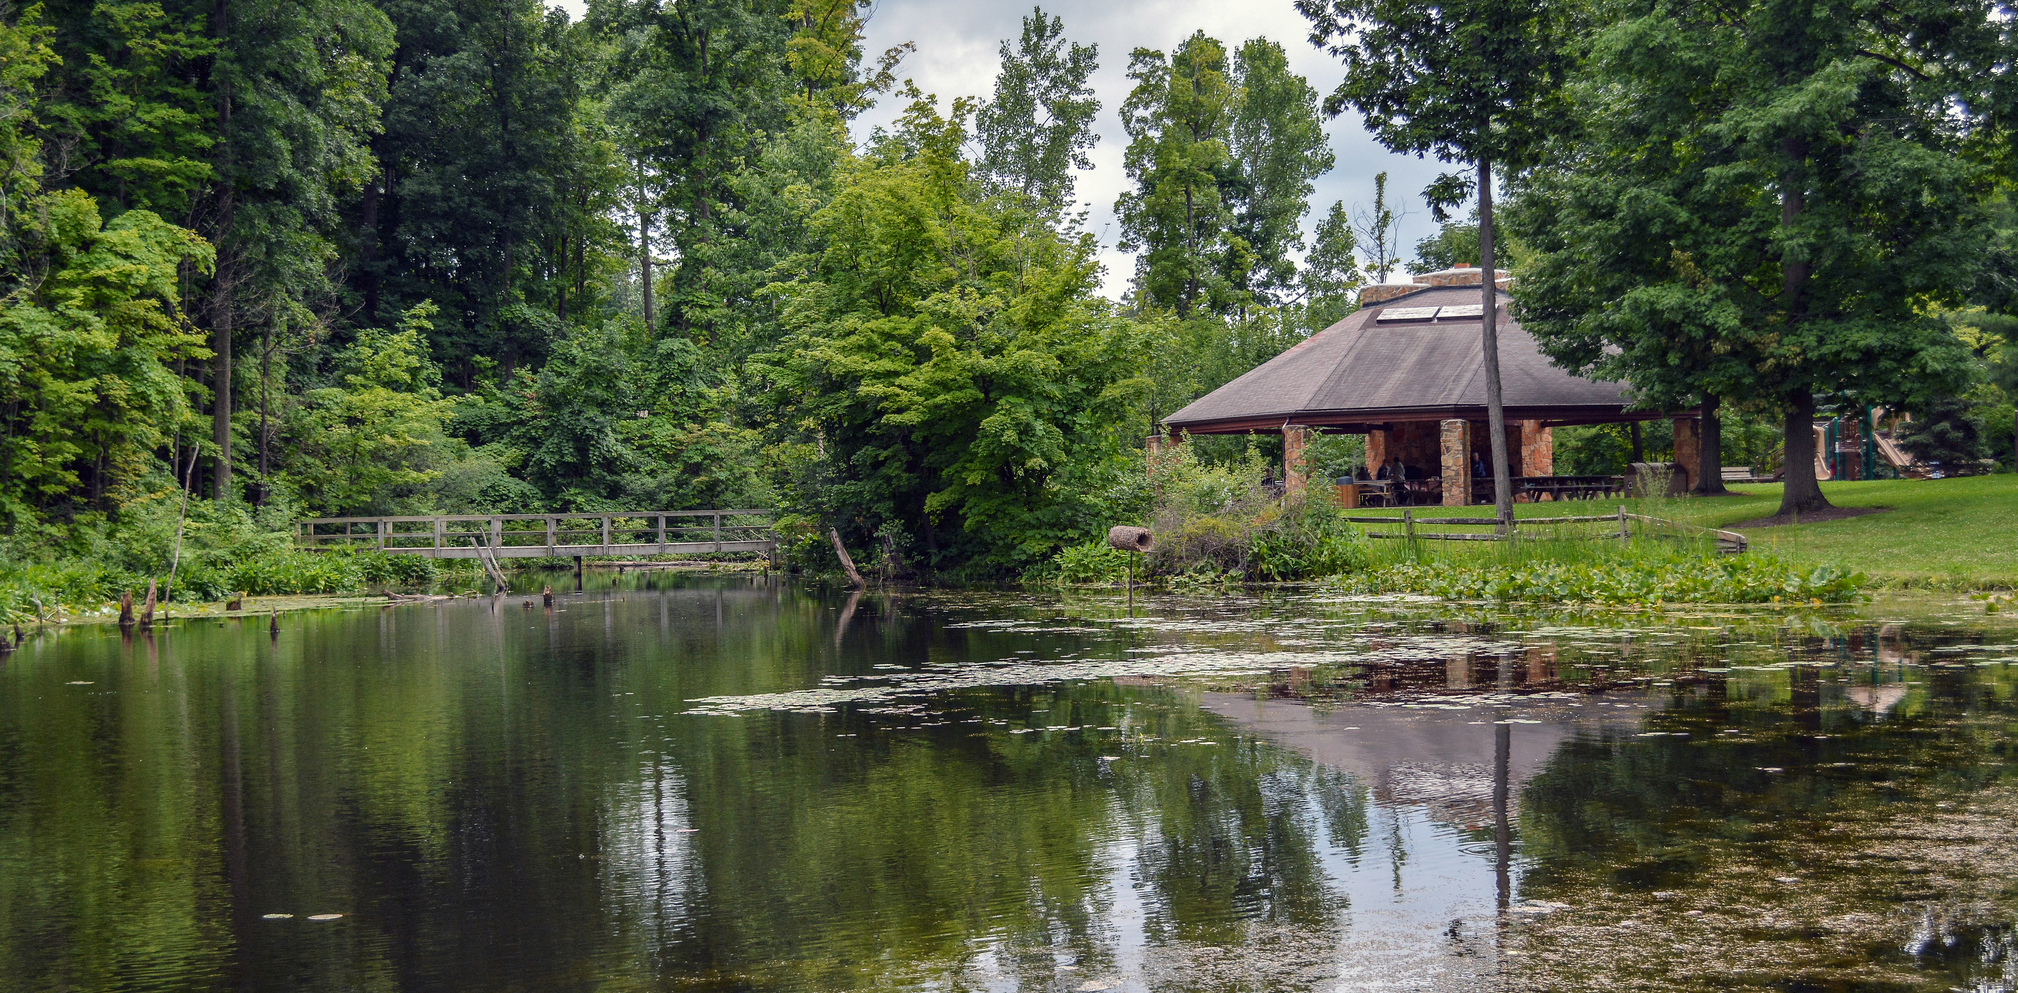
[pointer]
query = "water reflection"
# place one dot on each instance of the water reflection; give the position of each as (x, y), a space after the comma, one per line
(737, 784)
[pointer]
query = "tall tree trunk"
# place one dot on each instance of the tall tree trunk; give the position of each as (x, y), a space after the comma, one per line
(265, 383)
(1495, 411)
(221, 286)
(1710, 473)
(1803, 493)
(1639, 443)
(645, 251)
(220, 366)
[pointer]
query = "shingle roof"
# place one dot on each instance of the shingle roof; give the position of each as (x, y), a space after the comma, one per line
(1366, 370)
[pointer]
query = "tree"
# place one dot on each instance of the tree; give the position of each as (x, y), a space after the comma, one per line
(1223, 157)
(1380, 232)
(1454, 243)
(297, 89)
(1278, 150)
(1331, 271)
(825, 56)
(374, 434)
(1039, 126)
(1470, 81)
(483, 160)
(696, 89)
(89, 344)
(1770, 201)
(950, 384)
(1178, 119)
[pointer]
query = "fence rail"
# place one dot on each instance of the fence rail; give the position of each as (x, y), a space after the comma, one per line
(519, 536)
(1629, 527)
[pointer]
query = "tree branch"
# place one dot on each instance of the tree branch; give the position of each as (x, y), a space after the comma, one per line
(1915, 73)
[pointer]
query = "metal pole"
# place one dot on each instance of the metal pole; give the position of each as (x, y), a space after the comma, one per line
(1870, 460)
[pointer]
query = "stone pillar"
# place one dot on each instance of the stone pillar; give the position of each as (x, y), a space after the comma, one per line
(1156, 445)
(1295, 471)
(1688, 452)
(1456, 463)
(1376, 451)
(1538, 449)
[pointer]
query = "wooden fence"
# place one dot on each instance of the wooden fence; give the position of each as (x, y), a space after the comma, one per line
(522, 536)
(1628, 527)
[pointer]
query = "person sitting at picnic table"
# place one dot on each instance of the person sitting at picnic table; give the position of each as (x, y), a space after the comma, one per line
(1478, 465)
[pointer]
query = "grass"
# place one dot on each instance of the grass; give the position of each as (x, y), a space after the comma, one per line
(1946, 533)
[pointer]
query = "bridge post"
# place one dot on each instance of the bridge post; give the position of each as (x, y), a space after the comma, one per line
(437, 537)
(662, 534)
(718, 530)
(606, 534)
(496, 535)
(550, 535)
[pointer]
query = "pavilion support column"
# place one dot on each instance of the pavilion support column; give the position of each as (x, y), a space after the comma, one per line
(1376, 451)
(1538, 449)
(1456, 463)
(1295, 466)
(1157, 446)
(1688, 453)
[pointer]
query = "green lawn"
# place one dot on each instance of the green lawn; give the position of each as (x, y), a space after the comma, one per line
(1954, 532)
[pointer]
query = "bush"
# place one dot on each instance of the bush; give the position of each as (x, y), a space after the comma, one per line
(1092, 563)
(1626, 578)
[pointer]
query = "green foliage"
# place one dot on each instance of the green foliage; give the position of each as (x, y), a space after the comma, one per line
(1454, 244)
(1223, 157)
(1093, 563)
(375, 436)
(965, 395)
(1331, 274)
(1692, 235)
(1310, 538)
(618, 420)
(1039, 127)
(89, 352)
(1473, 81)
(1222, 522)
(1946, 432)
(1651, 579)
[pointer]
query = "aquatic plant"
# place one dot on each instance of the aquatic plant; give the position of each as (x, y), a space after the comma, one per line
(1671, 576)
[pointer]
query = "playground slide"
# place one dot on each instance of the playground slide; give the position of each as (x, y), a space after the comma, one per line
(1822, 470)
(1892, 454)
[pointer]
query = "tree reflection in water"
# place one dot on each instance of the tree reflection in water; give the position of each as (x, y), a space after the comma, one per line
(961, 790)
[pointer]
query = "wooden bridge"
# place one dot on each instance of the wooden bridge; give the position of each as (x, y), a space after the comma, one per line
(527, 536)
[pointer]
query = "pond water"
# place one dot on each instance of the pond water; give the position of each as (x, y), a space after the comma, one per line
(739, 784)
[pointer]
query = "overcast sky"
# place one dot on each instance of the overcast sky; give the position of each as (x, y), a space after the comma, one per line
(959, 53)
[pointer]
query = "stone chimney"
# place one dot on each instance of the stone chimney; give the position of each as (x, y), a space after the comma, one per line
(1463, 275)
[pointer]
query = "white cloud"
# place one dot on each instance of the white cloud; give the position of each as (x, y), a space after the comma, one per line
(958, 45)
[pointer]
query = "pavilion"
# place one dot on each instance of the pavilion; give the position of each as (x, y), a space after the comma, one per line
(1407, 370)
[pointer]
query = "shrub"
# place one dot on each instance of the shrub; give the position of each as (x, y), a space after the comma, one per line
(1627, 578)
(1092, 563)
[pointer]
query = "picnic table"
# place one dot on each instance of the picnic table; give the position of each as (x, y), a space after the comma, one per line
(1536, 488)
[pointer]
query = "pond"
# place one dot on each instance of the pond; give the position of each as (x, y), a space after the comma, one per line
(735, 783)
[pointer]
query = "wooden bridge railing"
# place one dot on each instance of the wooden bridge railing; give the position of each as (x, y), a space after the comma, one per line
(657, 532)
